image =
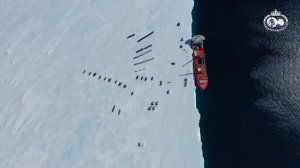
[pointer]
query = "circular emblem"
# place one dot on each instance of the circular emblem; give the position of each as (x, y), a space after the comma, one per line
(275, 21)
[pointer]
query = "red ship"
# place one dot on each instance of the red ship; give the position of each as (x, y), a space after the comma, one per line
(199, 63)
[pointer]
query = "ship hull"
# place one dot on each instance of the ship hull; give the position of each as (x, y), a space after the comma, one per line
(199, 67)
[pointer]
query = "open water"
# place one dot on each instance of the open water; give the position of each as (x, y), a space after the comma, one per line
(250, 112)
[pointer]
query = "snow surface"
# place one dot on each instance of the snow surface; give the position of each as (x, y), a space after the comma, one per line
(53, 115)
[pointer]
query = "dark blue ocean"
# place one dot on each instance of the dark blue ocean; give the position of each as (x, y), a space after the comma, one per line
(250, 112)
